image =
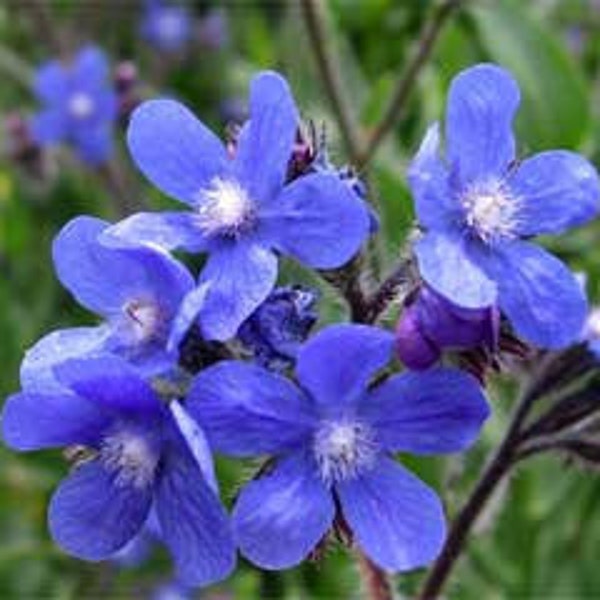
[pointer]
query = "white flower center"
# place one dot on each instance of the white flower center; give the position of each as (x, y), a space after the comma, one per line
(491, 211)
(592, 326)
(224, 208)
(142, 320)
(81, 105)
(132, 456)
(343, 450)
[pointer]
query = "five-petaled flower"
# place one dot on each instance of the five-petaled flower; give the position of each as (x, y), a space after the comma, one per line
(242, 213)
(480, 207)
(80, 105)
(332, 439)
(137, 291)
(139, 460)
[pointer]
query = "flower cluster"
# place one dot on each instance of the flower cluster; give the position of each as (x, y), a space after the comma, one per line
(183, 365)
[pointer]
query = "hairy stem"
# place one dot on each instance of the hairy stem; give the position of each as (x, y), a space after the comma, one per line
(497, 467)
(399, 98)
(400, 279)
(376, 584)
(314, 16)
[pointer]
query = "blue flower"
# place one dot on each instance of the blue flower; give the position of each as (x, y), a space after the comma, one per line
(431, 323)
(482, 205)
(80, 105)
(167, 27)
(140, 459)
(136, 290)
(277, 328)
(332, 439)
(241, 211)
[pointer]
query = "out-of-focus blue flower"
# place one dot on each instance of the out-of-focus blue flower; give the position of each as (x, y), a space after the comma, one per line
(241, 211)
(332, 438)
(140, 461)
(171, 590)
(431, 323)
(276, 329)
(79, 105)
(213, 30)
(481, 205)
(167, 27)
(136, 290)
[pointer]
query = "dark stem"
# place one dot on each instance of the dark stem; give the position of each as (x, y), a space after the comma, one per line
(497, 467)
(314, 17)
(398, 101)
(124, 198)
(375, 582)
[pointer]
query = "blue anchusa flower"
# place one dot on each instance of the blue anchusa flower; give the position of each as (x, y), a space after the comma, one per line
(333, 438)
(79, 105)
(481, 206)
(241, 211)
(138, 459)
(278, 327)
(430, 323)
(167, 27)
(136, 290)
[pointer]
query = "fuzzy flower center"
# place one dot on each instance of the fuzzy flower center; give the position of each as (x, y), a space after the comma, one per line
(225, 209)
(491, 211)
(81, 106)
(592, 326)
(143, 321)
(343, 450)
(132, 456)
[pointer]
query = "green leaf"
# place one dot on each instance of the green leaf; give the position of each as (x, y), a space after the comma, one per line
(555, 110)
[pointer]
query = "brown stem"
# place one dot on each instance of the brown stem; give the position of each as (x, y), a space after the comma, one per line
(398, 101)
(375, 582)
(315, 19)
(499, 465)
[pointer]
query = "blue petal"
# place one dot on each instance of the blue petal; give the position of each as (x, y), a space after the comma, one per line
(396, 519)
(246, 410)
(436, 411)
(447, 264)
(555, 191)
(540, 296)
(240, 276)
(280, 517)
(482, 103)
(91, 69)
(111, 383)
(94, 145)
(174, 150)
(92, 515)
(50, 83)
(336, 364)
(33, 420)
(318, 220)
(104, 279)
(435, 201)
(49, 126)
(169, 230)
(186, 316)
(268, 138)
(56, 347)
(196, 441)
(193, 522)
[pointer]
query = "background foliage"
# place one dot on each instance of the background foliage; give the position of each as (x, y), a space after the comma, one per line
(539, 536)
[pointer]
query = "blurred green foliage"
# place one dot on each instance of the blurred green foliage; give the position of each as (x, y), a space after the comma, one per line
(539, 537)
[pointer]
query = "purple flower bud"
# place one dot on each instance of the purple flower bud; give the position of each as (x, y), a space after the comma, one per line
(275, 331)
(431, 324)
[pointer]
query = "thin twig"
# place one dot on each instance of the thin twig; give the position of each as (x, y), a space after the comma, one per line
(314, 17)
(398, 101)
(499, 465)
(375, 582)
